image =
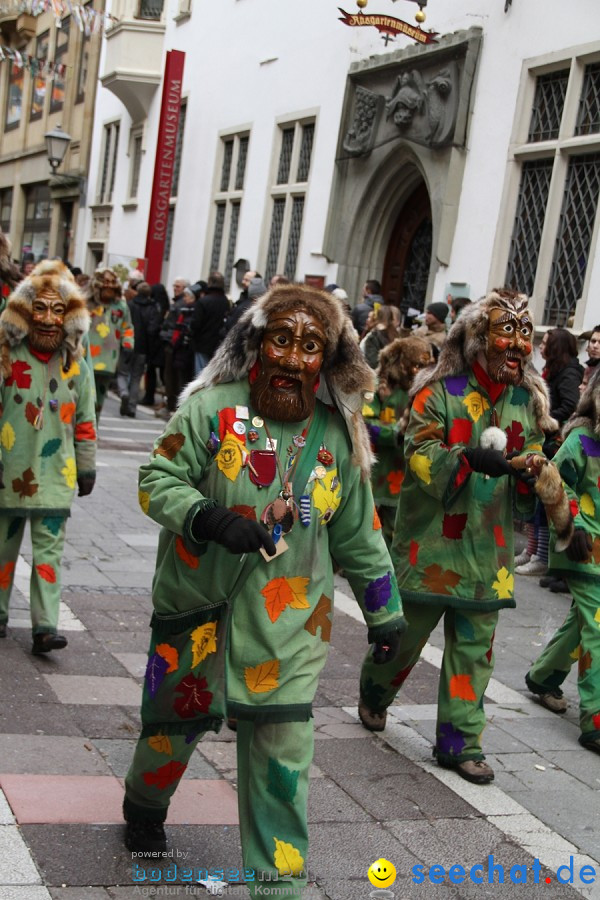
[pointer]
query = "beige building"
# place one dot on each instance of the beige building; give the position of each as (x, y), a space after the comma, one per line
(39, 209)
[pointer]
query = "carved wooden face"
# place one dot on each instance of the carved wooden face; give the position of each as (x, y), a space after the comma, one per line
(291, 356)
(47, 321)
(110, 287)
(509, 344)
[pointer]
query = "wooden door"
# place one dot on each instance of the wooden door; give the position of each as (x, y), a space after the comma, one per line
(408, 257)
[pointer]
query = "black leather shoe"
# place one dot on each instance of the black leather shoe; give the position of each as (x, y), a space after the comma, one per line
(145, 836)
(559, 586)
(372, 720)
(44, 643)
(474, 770)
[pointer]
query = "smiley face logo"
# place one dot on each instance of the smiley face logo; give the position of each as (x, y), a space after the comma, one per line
(381, 873)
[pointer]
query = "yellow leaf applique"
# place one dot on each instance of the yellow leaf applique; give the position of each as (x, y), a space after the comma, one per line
(7, 436)
(576, 653)
(282, 592)
(327, 495)
(102, 329)
(287, 858)
(230, 457)
(476, 405)
(144, 500)
(421, 466)
(170, 654)
(367, 411)
(98, 367)
(505, 584)
(534, 448)
(597, 616)
(387, 416)
(161, 743)
(71, 371)
(204, 641)
(69, 472)
(587, 505)
(262, 678)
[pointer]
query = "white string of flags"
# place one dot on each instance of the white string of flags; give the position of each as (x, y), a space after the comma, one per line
(89, 21)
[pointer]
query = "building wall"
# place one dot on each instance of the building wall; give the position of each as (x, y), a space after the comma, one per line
(251, 64)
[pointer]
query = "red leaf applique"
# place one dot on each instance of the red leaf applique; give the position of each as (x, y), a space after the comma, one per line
(5, 572)
(461, 431)
(376, 520)
(184, 554)
(25, 486)
(19, 374)
(394, 480)
(46, 572)
(461, 688)
(31, 413)
(574, 507)
(399, 679)
(165, 775)
(453, 525)
(516, 439)
(499, 536)
(413, 553)
(488, 655)
(438, 580)
(193, 697)
(85, 431)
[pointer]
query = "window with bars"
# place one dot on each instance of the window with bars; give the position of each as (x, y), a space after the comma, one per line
(57, 96)
(178, 148)
(136, 164)
(6, 199)
(230, 177)
(84, 58)
(288, 195)
(108, 162)
(38, 81)
(558, 192)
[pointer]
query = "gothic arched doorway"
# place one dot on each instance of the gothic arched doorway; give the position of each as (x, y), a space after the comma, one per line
(408, 256)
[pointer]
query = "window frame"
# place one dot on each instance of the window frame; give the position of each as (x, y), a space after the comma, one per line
(39, 46)
(61, 51)
(111, 133)
(230, 199)
(84, 47)
(15, 123)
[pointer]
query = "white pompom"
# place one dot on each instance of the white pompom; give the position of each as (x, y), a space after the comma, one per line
(493, 439)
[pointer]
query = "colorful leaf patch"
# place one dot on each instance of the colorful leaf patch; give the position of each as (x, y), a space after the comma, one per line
(282, 782)
(454, 525)
(504, 584)
(413, 553)
(461, 688)
(5, 575)
(204, 641)
(589, 445)
(476, 405)
(7, 436)
(456, 384)
(161, 743)
(193, 697)
(165, 775)
(587, 505)
(262, 678)
(19, 375)
(31, 413)
(282, 592)
(170, 445)
(50, 447)
(47, 572)
(67, 411)
(421, 399)
(499, 538)
(394, 480)
(144, 500)
(170, 654)
(376, 520)
(378, 592)
(319, 618)
(184, 554)
(461, 431)
(450, 740)
(515, 437)
(156, 669)
(421, 466)
(287, 858)
(69, 472)
(438, 580)
(26, 485)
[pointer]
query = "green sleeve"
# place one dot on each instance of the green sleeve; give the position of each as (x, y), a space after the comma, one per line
(524, 498)
(85, 423)
(571, 463)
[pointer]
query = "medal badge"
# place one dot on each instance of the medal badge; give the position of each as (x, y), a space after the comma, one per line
(263, 467)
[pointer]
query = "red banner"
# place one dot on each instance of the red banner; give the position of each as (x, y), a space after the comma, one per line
(389, 25)
(163, 164)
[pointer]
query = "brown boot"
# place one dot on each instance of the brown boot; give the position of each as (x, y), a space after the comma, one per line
(373, 721)
(474, 770)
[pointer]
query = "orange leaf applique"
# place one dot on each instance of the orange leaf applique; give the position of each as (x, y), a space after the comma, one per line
(161, 743)
(596, 550)
(5, 572)
(262, 678)
(585, 662)
(184, 554)
(376, 520)
(394, 480)
(46, 572)
(282, 592)
(170, 445)
(427, 432)
(319, 619)
(85, 431)
(461, 687)
(439, 580)
(26, 485)
(170, 654)
(67, 411)
(421, 399)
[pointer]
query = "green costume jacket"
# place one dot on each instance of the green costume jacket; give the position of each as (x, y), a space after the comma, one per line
(454, 539)
(388, 472)
(47, 433)
(110, 331)
(578, 461)
(273, 634)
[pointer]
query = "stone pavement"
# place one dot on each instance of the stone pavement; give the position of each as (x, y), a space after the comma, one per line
(69, 721)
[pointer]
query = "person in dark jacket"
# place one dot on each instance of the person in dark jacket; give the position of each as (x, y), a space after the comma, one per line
(146, 319)
(207, 321)
(181, 341)
(371, 296)
(157, 359)
(256, 288)
(166, 334)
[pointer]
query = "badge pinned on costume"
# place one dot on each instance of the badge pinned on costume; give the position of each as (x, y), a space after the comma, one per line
(241, 412)
(320, 472)
(239, 427)
(230, 457)
(272, 444)
(263, 467)
(253, 436)
(324, 456)
(299, 440)
(257, 422)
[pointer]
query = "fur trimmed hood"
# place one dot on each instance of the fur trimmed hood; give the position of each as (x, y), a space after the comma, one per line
(468, 336)
(15, 321)
(398, 359)
(346, 378)
(587, 414)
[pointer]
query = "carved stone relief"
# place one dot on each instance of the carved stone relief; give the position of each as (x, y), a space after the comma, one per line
(367, 112)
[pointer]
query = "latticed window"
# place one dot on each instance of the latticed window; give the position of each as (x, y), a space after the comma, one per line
(529, 222)
(572, 248)
(136, 164)
(548, 105)
(288, 197)
(416, 272)
(108, 162)
(588, 115)
(151, 9)
(231, 173)
(178, 149)
(6, 200)
(169, 234)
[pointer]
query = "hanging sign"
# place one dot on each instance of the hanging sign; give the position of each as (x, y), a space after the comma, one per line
(388, 25)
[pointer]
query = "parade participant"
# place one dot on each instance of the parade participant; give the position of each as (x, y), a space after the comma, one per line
(47, 436)
(111, 331)
(254, 465)
(399, 362)
(453, 545)
(578, 638)
(9, 272)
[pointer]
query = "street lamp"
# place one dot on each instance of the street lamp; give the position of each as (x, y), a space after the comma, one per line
(57, 142)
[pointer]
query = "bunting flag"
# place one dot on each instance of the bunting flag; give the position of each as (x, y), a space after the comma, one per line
(90, 21)
(38, 67)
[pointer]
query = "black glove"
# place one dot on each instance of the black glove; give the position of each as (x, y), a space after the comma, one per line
(490, 462)
(85, 483)
(580, 547)
(237, 534)
(386, 650)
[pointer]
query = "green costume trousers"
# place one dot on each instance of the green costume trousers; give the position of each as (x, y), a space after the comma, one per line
(47, 541)
(467, 666)
(102, 381)
(578, 638)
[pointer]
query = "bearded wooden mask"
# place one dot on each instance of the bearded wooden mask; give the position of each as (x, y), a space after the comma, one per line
(47, 321)
(509, 344)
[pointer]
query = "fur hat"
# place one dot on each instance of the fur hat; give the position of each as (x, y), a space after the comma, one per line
(15, 321)
(587, 414)
(397, 359)
(469, 335)
(346, 378)
(97, 284)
